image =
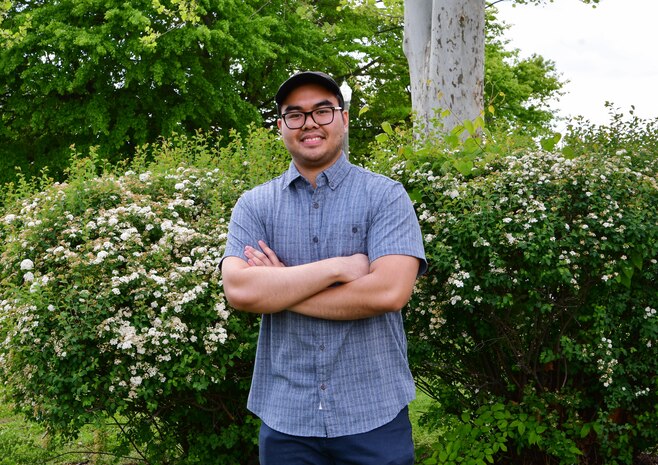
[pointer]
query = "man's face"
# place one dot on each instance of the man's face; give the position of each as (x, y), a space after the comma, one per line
(313, 147)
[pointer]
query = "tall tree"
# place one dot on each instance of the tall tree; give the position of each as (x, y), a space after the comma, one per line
(521, 89)
(444, 44)
(119, 74)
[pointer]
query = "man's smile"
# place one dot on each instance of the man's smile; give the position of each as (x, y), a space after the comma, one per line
(311, 139)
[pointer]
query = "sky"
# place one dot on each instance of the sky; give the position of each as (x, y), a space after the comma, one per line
(608, 53)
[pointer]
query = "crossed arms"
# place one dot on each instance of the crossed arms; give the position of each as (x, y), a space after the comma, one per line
(264, 285)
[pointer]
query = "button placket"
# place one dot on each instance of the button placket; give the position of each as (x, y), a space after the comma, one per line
(323, 356)
(316, 220)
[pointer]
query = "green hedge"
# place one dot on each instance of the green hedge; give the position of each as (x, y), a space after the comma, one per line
(112, 304)
(535, 326)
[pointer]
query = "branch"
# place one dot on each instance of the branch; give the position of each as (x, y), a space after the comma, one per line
(88, 452)
(359, 71)
(123, 431)
(488, 5)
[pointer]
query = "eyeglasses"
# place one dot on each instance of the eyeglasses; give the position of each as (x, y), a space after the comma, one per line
(321, 116)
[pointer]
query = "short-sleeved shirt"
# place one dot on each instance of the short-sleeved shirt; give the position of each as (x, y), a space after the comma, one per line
(316, 377)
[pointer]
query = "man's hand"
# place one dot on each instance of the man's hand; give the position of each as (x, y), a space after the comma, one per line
(265, 258)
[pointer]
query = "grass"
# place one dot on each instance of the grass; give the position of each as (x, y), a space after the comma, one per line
(424, 437)
(26, 443)
(20, 441)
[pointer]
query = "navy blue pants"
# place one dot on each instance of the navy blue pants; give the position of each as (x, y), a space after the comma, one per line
(390, 444)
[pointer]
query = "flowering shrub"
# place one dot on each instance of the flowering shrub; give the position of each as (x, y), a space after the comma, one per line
(112, 304)
(535, 326)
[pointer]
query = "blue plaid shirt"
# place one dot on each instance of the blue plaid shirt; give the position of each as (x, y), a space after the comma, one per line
(317, 377)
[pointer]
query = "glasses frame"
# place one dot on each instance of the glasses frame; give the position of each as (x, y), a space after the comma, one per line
(307, 113)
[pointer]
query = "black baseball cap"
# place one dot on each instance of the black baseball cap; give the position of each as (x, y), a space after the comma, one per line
(308, 77)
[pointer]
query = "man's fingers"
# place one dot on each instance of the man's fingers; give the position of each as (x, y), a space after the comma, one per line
(269, 253)
(265, 258)
(256, 257)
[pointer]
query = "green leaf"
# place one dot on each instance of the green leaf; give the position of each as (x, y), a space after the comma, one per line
(568, 153)
(628, 271)
(549, 143)
(417, 196)
(472, 145)
(381, 138)
(388, 129)
(637, 259)
(468, 125)
(465, 167)
(625, 280)
(533, 437)
(452, 140)
(432, 460)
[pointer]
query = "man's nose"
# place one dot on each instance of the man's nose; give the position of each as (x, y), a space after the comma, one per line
(310, 122)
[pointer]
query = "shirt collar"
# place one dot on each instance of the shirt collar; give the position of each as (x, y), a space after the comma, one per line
(291, 175)
(332, 176)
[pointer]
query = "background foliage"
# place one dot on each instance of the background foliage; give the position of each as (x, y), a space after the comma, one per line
(112, 305)
(117, 75)
(535, 326)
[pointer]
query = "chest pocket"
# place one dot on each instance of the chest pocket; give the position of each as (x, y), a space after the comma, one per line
(349, 239)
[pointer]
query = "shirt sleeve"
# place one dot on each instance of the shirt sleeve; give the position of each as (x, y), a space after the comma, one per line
(395, 230)
(245, 228)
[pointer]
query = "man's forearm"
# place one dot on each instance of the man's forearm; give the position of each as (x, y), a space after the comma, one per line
(269, 289)
(386, 288)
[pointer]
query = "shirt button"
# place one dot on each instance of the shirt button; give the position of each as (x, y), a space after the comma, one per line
(321, 346)
(323, 386)
(316, 205)
(315, 239)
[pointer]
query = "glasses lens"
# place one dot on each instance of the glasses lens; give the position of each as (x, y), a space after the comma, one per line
(323, 116)
(294, 120)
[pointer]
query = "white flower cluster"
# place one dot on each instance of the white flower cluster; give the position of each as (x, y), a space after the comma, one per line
(534, 211)
(530, 193)
(606, 366)
(456, 280)
(143, 264)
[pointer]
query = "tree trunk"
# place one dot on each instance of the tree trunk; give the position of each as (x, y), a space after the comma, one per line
(444, 44)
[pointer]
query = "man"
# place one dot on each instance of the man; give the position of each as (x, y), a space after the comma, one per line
(328, 253)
